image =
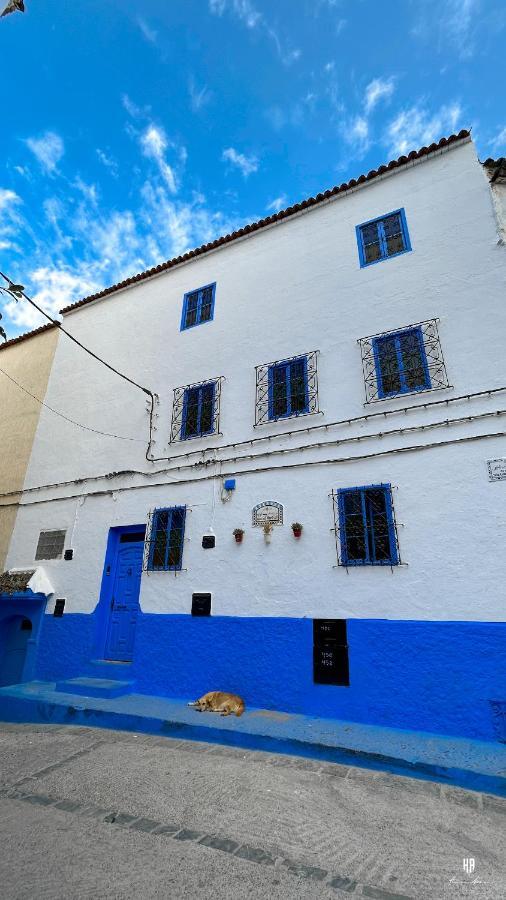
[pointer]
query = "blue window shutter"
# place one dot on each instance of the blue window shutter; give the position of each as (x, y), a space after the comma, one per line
(198, 306)
(198, 415)
(401, 363)
(288, 388)
(367, 526)
(166, 539)
(383, 238)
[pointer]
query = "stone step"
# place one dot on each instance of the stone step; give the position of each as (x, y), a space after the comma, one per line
(95, 687)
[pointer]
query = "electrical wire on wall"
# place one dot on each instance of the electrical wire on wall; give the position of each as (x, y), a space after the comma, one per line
(119, 437)
(17, 292)
(334, 461)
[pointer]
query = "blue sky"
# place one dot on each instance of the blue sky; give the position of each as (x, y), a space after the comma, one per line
(132, 132)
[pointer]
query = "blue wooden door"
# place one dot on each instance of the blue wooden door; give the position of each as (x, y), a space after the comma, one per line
(14, 635)
(124, 602)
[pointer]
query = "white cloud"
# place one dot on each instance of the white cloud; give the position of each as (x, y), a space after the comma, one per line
(356, 133)
(247, 164)
(499, 142)
(377, 89)
(8, 199)
(48, 150)
(451, 23)
(199, 97)
(108, 162)
(154, 144)
(9, 218)
(136, 112)
(417, 126)
(242, 9)
(459, 20)
(277, 204)
(149, 33)
(89, 191)
(246, 12)
(51, 288)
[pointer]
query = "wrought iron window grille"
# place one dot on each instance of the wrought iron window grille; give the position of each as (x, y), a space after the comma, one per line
(294, 400)
(196, 410)
(366, 537)
(406, 360)
(164, 540)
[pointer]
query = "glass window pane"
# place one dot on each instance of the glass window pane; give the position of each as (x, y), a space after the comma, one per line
(160, 540)
(176, 539)
(377, 526)
(354, 527)
(191, 421)
(279, 391)
(206, 304)
(388, 365)
(192, 302)
(371, 241)
(411, 347)
(394, 237)
(207, 409)
(298, 392)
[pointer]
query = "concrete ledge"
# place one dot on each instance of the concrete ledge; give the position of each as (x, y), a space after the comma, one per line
(474, 765)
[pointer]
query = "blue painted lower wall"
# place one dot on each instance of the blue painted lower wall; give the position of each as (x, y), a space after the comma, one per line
(431, 676)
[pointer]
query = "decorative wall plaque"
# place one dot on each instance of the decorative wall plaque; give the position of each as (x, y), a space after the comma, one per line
(268, 511)
(496, 469)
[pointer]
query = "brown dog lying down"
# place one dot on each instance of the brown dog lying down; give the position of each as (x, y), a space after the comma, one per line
(220, 701)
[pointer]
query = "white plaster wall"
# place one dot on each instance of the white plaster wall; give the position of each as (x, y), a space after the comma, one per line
(287, 290)
(451, 525)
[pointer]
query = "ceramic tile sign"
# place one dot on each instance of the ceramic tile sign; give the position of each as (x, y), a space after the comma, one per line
(268, 511)
(496, 469)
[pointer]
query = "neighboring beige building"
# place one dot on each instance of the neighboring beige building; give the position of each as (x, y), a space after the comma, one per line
(26, 359)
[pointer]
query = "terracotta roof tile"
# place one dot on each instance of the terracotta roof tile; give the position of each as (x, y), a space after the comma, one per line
(28, 334)
(269, 220)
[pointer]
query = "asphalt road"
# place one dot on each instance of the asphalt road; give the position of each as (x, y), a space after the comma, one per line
(97, 814)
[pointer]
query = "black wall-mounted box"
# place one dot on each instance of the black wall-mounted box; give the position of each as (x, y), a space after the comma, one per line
(208, 541)
(330, 652)
(201, 604)
(58, 608)
(68, 554)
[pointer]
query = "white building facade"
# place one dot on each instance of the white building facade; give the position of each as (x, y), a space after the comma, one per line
(340, 366)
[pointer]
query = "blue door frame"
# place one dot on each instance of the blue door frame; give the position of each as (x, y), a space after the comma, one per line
(119, 595)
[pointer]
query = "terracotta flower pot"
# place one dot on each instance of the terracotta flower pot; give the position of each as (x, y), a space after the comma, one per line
(238, 538)
(297, 532)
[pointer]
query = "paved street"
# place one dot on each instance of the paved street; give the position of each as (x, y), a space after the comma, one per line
(86, 813)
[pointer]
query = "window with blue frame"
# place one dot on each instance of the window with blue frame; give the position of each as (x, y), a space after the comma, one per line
(166, 537)
(198, 306)
(382, 238)
(198, 410)
(400, 361)
(367, 526)
(288, 388)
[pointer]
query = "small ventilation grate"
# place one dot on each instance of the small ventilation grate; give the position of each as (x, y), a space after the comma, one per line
(50, 545)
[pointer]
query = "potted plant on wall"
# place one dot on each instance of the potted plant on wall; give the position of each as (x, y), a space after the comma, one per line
(297, 529)
(238, 534)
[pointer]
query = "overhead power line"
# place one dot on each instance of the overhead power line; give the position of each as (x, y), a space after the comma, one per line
(67, 418)
(17, 291)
